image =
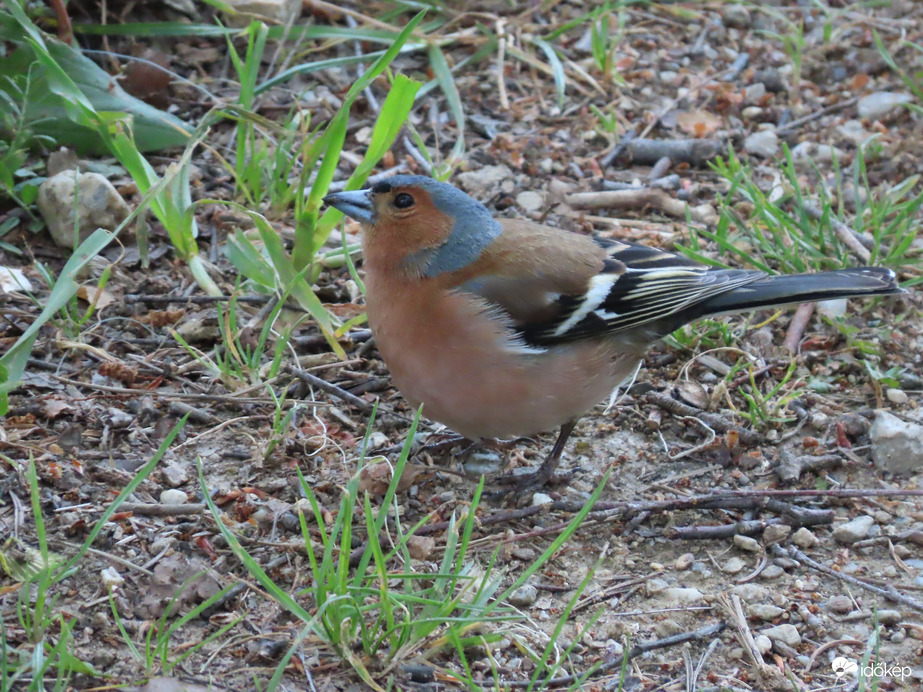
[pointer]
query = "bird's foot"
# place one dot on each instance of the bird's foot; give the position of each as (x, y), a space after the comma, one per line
(467, 445)
(524, 484)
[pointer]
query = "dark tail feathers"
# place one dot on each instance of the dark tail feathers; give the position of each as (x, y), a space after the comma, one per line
(803, 288)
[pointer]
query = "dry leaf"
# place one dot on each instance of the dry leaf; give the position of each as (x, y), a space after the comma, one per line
(161, 318)
(698, 123)
(98, 296)
(52, 408)
(375, 477)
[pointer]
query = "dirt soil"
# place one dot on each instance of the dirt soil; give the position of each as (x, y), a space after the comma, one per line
(789, 582)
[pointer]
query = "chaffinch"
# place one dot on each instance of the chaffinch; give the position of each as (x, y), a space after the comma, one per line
(504, 327)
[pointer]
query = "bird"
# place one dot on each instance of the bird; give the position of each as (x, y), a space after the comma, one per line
(508, 328)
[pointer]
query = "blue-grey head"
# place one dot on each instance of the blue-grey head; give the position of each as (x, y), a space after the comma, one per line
(442, 228)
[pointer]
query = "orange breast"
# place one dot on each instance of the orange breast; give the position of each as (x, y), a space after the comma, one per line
(450, 353)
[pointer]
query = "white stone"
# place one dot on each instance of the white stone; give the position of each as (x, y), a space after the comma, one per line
(897, 396)
(854, 131)
(877, 104)
(751, 593)
(485, 182)
(763, 643)
(765, 612)
(172, 496)
(787, 634)
(99, 205)
(763, 143)
(682, 595)
(524, 596)
(530, 201)
(834, 309)
(684, 561)
(751, 545)
(897, 445)
(541, 499)
(803, 538)
(111, 578)
(818, 153)
(733, 566)
(854, 530)
(776, 533)
(12, 279)
(754, 93)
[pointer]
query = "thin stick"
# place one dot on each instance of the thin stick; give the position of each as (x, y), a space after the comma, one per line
(890, 592)
(850, 238)
(798, 324)
(501, 65)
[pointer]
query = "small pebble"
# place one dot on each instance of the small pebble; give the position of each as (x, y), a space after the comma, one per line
(897, 445)
(171, 496)
(765, 612)
(174, 474)
(834, 309)
(876, 105)
(763, 643)
(733, 566)
(772, 572)
(785, 562)
(787, 634)
(816, 153)
(541, 499)
(751, 545)
(655, 586)
(530, 201)
(524, 596)
(771, 78)
(751, 593)
(684, 561)
(803, 538)
(776, 533)
(680, 595)
(854, 530)
(111, 578)
(378, 439)
(896, 396)
(735, 16)
(889, 618)
(754, 93)
(840, 604)
(421, 547)
(763, 143)
(523, 554)
(854, 131)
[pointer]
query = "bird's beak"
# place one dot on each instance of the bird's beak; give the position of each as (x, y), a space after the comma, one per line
(356, 204)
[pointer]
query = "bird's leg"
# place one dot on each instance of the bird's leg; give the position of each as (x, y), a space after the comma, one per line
(546, 471)
(545, 474)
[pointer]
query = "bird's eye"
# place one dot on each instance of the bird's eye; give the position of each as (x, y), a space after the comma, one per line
(403, 201)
